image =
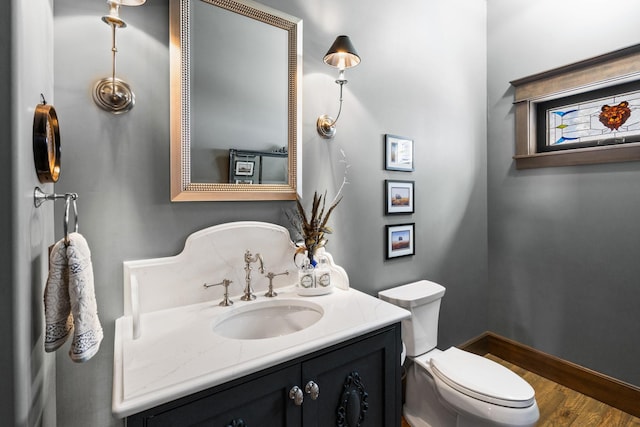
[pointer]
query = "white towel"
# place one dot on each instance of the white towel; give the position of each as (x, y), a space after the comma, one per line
(71, 270)
(57, 307)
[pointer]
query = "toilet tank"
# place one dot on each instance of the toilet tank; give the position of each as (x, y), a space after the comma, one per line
(422, 299)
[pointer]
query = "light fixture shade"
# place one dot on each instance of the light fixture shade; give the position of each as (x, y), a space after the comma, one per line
(127, 2)
(342, 54)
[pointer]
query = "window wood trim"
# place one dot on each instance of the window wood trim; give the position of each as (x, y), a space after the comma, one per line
(610, 69)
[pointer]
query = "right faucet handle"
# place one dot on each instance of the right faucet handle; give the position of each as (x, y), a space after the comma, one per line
(225, 282)
(271, 293)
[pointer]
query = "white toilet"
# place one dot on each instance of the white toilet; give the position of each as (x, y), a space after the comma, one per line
(454, 387)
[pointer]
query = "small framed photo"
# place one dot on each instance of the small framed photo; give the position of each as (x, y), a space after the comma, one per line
(244, 181)
(398, 154)
(400, 240)
(399, 197)
(244, 168)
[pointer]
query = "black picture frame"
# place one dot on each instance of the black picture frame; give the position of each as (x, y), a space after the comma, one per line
(398, 153)
(399, 197)
(400, 240)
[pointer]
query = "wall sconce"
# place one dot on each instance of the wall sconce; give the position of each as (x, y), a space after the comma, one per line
(341, 55)
(112, 94)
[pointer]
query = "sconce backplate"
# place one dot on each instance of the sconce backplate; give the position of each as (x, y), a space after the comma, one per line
(326, 126)
(113, 95)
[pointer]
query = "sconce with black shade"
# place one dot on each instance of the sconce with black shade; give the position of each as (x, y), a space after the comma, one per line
(341, 55)
(111, 93)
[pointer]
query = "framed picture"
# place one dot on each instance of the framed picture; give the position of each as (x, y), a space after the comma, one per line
(400, 240)
(244, 181)
(244, 167)
(399, 197)
(398, 153)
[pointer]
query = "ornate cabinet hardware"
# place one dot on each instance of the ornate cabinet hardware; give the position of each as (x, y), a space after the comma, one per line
(296, 395)
(353, 404)
(312, 389)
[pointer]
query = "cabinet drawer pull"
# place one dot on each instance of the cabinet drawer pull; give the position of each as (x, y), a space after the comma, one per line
(312, 389)
(296, 395)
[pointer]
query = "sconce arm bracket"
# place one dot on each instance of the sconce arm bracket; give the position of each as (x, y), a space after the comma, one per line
(326, 125)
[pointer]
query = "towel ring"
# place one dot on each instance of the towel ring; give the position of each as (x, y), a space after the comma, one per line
(68, 200)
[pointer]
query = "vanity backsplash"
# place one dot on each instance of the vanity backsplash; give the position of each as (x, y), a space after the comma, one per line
(211, 256)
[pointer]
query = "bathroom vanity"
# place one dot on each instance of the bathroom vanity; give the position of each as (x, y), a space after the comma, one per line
(181, 359)
(357, 380)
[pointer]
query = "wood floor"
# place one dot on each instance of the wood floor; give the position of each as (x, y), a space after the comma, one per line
(562, 407)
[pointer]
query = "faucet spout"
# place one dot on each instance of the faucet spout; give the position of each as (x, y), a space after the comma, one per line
(248, 259)
(261, 261)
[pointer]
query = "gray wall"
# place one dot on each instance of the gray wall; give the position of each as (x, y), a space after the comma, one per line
(6, 222)
(28, 374)
(420, 77)
(564, 242)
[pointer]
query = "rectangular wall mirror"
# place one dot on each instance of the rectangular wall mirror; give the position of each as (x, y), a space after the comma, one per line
(236, 77)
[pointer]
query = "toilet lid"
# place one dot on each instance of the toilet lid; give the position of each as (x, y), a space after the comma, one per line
(482, 379)
(413, 294)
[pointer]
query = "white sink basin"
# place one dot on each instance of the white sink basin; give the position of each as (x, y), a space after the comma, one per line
(268, 319)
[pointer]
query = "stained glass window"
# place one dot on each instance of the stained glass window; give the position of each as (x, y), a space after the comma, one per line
(603, 117)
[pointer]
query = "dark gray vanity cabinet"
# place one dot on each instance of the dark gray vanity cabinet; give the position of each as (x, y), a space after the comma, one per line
(261, 401)
(358, 385)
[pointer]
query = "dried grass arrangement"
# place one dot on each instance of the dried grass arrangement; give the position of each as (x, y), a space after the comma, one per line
(313, 227)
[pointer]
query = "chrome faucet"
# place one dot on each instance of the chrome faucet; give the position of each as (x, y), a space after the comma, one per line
(225, 282)
(248, 259)
(271, 293)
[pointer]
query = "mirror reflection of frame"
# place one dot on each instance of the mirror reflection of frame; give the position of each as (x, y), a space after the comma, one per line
(221, 73)
(258, 167)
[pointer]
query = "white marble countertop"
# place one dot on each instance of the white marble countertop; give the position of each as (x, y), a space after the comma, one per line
(179, 354)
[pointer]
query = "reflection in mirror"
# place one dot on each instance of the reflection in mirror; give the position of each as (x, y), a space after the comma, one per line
(235, 89)
(225, 85)
(257, 167)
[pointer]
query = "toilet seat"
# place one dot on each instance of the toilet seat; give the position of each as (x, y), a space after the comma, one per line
(482, 379)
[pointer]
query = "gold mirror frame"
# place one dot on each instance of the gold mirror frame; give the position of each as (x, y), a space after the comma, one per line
(182, 189)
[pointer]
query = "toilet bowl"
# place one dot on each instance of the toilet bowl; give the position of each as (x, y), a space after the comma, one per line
(454, 387)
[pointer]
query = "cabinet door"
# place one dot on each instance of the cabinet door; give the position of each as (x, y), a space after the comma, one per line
(260, 402)
(359, 384)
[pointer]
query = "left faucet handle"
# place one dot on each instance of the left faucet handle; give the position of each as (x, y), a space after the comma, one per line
(225, 282)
